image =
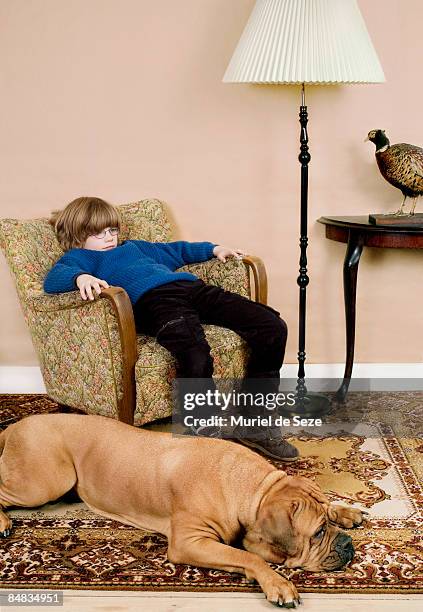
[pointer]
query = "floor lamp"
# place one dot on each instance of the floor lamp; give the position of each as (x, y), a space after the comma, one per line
(317, 42)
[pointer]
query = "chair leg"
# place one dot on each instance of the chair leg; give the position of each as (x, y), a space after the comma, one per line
(125, 411)
(64, 409)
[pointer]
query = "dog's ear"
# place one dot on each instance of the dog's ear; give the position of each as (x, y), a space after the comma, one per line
(308, 486)
(275, 523)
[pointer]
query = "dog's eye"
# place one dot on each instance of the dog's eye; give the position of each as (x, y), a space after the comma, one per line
(319, 534)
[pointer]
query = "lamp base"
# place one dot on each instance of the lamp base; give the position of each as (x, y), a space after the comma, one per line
(308, 404)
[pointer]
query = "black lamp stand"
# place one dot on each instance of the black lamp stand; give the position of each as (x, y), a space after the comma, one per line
(307, 403)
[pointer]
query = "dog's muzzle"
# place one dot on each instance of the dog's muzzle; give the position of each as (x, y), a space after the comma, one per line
(343, 546)
(341, 553)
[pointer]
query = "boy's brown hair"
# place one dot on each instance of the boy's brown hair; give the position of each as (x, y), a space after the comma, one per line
(81, 218)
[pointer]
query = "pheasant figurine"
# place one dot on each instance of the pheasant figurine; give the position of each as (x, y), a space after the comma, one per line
(401, 165)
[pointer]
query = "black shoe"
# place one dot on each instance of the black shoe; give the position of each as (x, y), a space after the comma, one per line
(272, 445)
(209, 431)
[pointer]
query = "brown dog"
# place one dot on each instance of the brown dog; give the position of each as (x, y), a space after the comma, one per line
(202, 494)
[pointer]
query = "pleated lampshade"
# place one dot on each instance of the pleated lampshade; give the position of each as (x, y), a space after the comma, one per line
(305, 41)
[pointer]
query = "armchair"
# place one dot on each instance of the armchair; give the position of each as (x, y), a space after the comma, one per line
(90, 355)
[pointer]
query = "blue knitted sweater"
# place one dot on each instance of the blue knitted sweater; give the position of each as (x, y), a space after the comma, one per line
(135, 265)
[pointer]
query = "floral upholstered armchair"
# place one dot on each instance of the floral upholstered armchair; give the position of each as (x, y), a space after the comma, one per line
(90, 355)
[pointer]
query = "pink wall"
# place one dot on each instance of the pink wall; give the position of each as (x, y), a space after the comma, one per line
(124, 99)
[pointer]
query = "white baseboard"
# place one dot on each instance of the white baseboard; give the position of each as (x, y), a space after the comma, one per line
(360, 370)
(15, 379)
(29, 380)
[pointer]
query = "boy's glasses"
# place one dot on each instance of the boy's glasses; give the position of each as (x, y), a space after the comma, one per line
(113, 231)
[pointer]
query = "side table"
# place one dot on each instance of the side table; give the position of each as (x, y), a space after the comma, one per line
(357, 232)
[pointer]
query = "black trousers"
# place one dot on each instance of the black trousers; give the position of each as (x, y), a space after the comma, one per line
(174, 312)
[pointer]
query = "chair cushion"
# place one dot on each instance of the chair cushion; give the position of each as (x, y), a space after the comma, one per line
(145, 220)
(156, 368)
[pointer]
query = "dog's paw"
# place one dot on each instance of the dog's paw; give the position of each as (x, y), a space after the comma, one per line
(344, 516)
(5, 526)
(280, 591)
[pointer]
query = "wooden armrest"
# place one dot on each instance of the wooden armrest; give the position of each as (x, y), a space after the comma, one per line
(122, 308)
(259, 275)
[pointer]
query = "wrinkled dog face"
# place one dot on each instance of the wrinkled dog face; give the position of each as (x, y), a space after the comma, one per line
(296, 531)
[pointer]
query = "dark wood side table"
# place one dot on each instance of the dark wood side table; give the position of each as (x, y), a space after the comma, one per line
(357, 232)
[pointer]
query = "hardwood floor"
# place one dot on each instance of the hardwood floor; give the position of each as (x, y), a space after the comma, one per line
(112, 601)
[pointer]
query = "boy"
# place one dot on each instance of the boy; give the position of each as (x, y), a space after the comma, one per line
(167, 304)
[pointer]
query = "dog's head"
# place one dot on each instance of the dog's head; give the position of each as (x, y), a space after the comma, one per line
(292, 527)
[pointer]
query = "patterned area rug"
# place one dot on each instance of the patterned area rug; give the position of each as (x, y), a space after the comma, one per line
(70, 547)
(16, 407)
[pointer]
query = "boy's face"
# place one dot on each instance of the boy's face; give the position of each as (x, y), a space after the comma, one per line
(103, 241)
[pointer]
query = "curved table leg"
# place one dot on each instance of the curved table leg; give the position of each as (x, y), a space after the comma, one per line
(351, 261)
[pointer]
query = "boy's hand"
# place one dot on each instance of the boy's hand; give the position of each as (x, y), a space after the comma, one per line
(222, 253)
(86, 283)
